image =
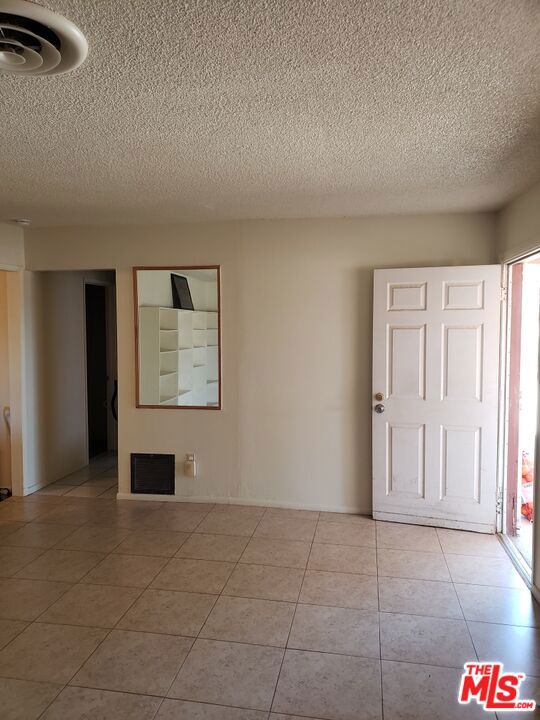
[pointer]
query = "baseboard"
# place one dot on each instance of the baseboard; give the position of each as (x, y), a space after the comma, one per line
(299, 506)
(171, 498)
(243, 501)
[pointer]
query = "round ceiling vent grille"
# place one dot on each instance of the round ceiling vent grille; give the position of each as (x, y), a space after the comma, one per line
(36, 41)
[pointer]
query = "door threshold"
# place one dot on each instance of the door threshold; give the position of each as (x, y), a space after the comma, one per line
(517, 559)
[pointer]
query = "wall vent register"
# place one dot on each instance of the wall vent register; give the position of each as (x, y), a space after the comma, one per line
(152, 473)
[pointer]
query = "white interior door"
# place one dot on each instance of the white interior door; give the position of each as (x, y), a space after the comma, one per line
(435, 370)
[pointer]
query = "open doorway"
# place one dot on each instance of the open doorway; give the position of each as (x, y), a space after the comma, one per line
(76, 326)
(522, 384)
(97, 372)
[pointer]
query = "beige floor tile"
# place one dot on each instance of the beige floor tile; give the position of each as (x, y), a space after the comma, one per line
(226, 523)
(13, 559)
(94, 538)
(335, 630)
(460, 542)
(419, 639)
(419, 597)
(336, 687)
(262, 622)
(227, 548)
(27, 599)
(49, 653)
(121, 517)
(340, 590)
(8, 528)
(10, 629)
(152, 542)
(265, 582)
(85, 490)
(173, 520)
(91, 605)
(412, 564)
(200, 576)
(20, 512)
(508, 606)
(68, 481)
(229, 674)
(341, 533)
(343, 558)
(182, 710)
(54, 489)
(169, 611)
(67, 514)
(494, 571)
(407, 537)
(126, 570)
(424, 692)
(43, 501)
(102, 482)
(40, 535)
(517, 647)
(283, 553)
(23, 700)
(61, 565)
(286, 528)
(110, 493)
(75, 703)
(136, 662)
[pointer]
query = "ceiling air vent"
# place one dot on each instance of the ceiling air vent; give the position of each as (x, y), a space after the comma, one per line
(36, 41)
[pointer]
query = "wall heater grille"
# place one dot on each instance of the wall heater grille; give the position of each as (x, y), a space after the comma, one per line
(152, 473)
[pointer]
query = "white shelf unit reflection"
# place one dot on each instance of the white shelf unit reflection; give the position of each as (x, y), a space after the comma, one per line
(178, 357)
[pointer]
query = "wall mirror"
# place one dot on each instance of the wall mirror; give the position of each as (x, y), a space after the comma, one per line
(177, 335)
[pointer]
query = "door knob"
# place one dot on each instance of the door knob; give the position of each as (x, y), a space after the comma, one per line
(379, 408)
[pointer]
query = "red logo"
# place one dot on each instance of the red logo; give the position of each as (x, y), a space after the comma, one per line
(491, 687)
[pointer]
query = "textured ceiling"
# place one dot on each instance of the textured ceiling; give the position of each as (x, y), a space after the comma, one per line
(277, 108)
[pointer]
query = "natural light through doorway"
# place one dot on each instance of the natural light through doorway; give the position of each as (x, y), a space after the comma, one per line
(523, 401)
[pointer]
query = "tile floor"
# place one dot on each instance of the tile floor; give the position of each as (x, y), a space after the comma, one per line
(131, 610)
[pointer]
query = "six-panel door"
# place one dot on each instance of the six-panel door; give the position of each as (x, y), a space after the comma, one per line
(435, 361)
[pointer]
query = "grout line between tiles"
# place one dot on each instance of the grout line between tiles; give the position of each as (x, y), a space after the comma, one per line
(211, 609)
(293, 619)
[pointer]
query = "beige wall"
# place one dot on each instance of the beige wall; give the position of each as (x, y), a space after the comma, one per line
(518, 227)
(11, 246)
(295, 428)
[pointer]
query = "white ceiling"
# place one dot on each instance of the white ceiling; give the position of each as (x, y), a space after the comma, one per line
(277, 108)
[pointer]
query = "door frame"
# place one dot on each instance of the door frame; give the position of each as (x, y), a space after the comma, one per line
(528, 574)
(16, 384)
(107, 285)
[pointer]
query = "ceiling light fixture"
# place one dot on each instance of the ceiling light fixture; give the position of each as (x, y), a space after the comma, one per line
(37, 41)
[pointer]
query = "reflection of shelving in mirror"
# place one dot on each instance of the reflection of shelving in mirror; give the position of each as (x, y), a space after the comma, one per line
(178, 357)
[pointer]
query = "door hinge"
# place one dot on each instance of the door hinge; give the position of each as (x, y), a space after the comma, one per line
(499, 501)
(504, 293)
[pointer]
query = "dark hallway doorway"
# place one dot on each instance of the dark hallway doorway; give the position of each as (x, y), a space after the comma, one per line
(96, 368)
